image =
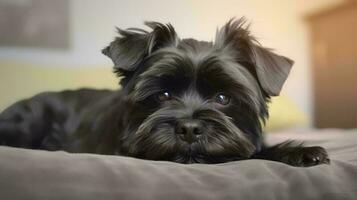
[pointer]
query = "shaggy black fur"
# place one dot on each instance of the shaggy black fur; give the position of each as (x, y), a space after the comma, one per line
(182, 100)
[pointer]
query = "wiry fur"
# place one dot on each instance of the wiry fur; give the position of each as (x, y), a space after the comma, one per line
(132, 122)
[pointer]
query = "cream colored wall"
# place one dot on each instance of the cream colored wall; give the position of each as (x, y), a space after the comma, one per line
(277, 24)
(22, 80)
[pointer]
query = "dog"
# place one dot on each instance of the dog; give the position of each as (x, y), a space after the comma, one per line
(182, 100)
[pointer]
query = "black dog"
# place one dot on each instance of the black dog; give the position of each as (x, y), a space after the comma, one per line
(182, 100)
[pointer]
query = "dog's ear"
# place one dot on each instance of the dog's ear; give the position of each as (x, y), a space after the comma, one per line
(132, 45)
(271, 69)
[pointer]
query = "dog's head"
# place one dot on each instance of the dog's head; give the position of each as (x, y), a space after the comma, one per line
(194, 101)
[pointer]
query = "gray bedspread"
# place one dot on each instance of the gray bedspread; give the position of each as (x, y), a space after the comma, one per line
(41, 175)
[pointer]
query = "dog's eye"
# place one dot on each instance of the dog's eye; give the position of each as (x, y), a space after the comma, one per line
(223, 99)
(164, 96)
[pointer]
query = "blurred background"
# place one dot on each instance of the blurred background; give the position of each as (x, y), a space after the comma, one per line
(55, 45)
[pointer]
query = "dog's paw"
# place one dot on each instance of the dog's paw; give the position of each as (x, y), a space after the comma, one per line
(307, 157)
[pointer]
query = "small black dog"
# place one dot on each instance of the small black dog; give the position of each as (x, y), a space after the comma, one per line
(182, 100)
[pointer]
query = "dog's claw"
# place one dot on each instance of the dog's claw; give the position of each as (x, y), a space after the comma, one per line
(310, 156)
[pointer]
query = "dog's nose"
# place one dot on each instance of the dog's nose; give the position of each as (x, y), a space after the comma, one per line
(189, 130)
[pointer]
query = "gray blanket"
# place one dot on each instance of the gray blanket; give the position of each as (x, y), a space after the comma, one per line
(31, 174)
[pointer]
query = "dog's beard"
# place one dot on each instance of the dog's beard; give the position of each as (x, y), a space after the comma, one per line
(221, 141)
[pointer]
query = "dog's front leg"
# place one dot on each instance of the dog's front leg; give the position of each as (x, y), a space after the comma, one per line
(294, 154)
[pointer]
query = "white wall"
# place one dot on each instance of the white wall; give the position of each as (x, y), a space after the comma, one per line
(277, 24)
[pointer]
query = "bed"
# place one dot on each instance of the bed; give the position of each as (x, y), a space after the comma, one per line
(34, 174)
